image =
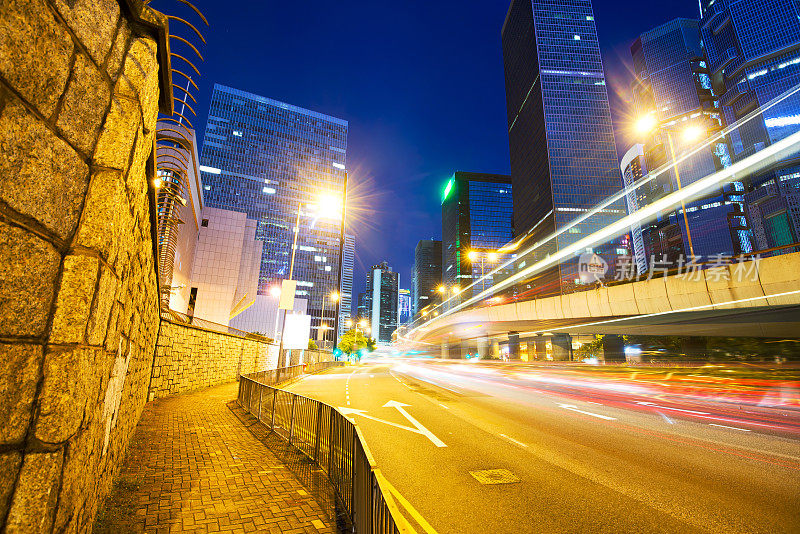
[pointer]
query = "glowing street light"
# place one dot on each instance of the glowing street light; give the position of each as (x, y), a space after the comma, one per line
(646, 124)
(441, 289)
(692, 133)
(275, 291)
(689, 134)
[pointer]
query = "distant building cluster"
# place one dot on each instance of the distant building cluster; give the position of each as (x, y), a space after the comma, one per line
(695, 82)
(268, 188)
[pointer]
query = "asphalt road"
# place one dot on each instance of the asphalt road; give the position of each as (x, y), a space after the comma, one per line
(594, 456)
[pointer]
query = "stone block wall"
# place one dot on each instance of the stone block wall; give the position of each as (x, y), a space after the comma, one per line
(79, 96)
(188, 357)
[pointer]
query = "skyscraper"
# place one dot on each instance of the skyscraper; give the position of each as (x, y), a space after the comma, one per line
(476, 221)
(673, 92)
(563, 156)
(426, 275)
(346, 289)
(634, 169)
(272, 160)
(403, 306)
(753, 51)
(381, 298)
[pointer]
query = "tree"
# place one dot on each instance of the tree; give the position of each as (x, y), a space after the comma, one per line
(354, 340)
(312, 345)
(591, 349)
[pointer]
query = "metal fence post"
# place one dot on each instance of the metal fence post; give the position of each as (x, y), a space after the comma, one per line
(274, 397)
(330, 443)
(291, 419)
(318, 431)
(260, 389)
(353, 476)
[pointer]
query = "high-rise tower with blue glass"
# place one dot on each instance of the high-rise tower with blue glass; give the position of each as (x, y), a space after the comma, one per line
(753, 50)
(476, 222)
(272, 160)
(673, 90)
(563, 156)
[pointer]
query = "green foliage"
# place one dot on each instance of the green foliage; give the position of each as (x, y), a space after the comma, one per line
(312, 345)
(591, 349)
(354, 340)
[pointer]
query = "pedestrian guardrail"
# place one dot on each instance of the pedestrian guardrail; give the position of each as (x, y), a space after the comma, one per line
(333, 442)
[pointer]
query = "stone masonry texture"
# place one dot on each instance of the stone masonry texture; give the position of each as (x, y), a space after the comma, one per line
(189, 358)
(79, 317)
(194, 467)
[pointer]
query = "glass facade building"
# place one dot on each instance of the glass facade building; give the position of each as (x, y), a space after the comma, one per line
(272, 160)
(404, 306)
(381, 302)
(753, 51)
(348, 262)
(634, 169)
(426, 275)
(673, 89)
(477, 211)
(563, 156)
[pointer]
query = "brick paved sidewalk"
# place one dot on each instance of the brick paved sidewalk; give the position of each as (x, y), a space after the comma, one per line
(192, 466)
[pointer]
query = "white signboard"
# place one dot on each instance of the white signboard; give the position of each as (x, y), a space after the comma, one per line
(297, 331)
(287, 295)
(591, 268)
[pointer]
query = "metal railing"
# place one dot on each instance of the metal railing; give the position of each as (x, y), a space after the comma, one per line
(335, 445)
(275, 376)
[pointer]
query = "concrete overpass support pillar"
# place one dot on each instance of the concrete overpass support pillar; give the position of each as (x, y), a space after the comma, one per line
(483, 348)
(562, 347)
(513, 346)
(540, 348)
(445, 353)
(495, 352)
(613, 348)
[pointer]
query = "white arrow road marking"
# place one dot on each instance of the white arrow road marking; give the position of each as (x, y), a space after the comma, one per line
(353, 411)
(574, 408)
(422, 430)
(654, 405)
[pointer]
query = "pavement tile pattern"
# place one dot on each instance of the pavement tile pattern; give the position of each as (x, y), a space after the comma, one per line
(192, 466)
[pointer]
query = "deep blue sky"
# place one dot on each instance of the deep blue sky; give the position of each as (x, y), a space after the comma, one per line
(420, 82)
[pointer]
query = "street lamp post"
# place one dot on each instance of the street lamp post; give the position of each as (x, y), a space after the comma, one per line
(341, 263)
(322, 206)
(648, 124)
(472, 255)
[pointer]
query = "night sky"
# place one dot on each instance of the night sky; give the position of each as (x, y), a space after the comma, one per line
(420, 82)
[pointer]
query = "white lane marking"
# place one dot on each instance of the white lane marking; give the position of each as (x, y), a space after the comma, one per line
(443, 406)
(731, 427)
(347, 386)
(654, 405)
(574, 408)
(422, 430)
(354, 411)
(512, 440)
(597, 403)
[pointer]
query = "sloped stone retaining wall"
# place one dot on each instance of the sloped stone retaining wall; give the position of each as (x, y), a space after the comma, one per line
(79, 96)
(188, 358)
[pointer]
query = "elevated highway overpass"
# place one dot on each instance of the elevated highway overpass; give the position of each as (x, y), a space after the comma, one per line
(757, 298)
